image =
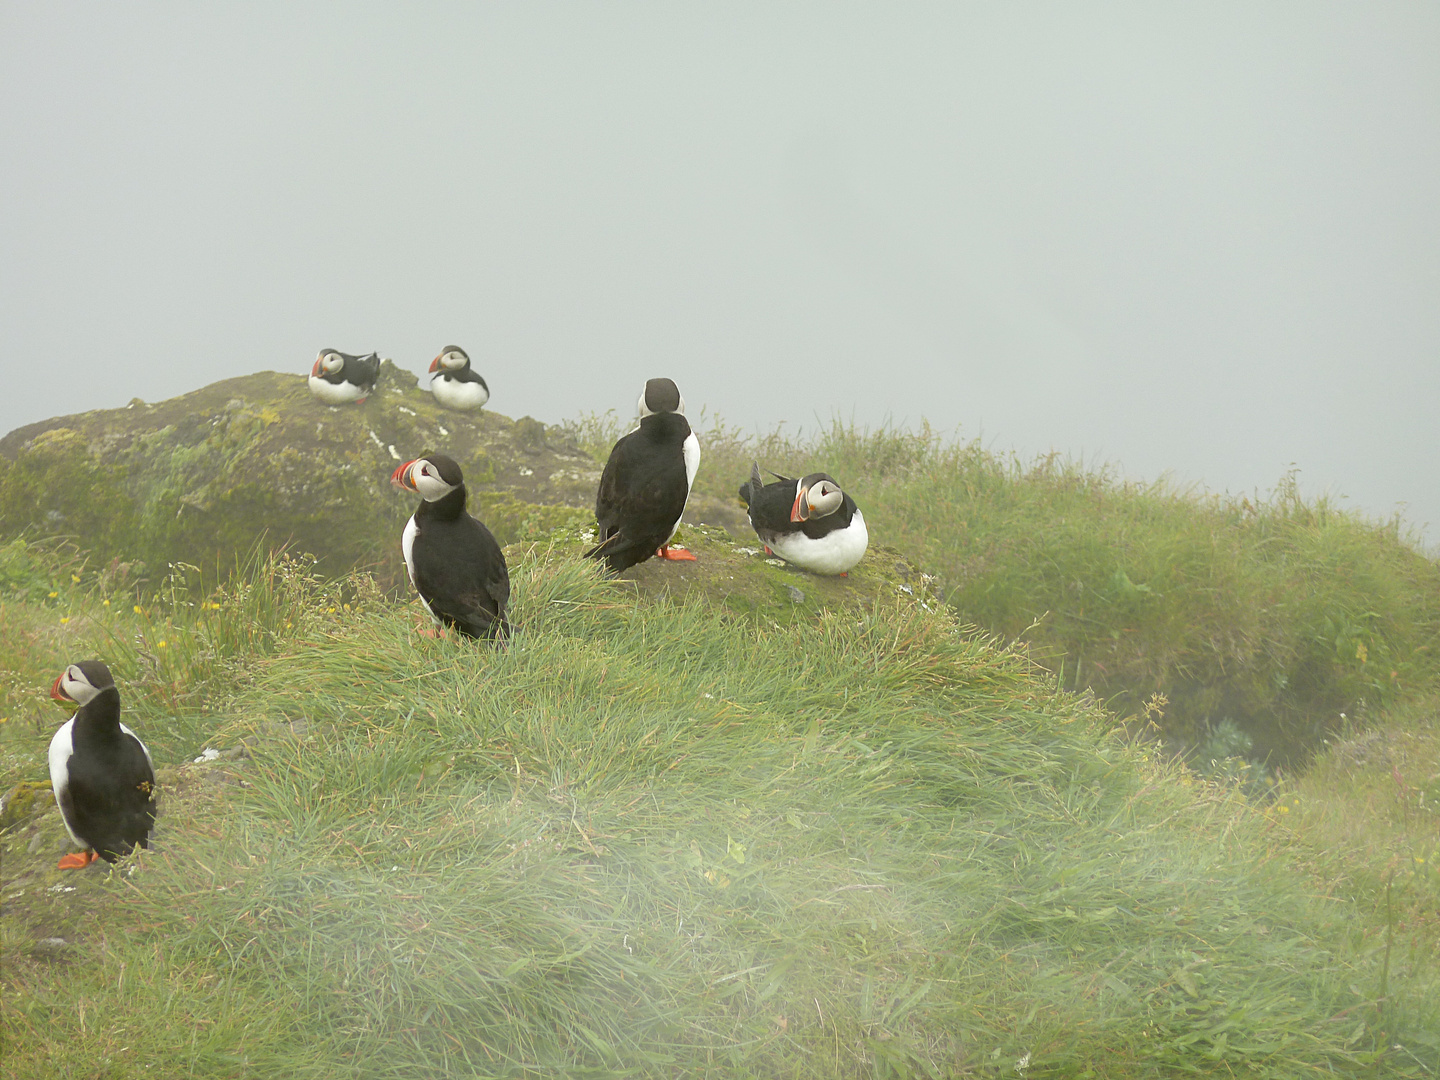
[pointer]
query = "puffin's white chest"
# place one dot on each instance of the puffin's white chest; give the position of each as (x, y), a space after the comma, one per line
(833, 553)
(61, 747)
(454, 394)
(340, 393)
(407, 547)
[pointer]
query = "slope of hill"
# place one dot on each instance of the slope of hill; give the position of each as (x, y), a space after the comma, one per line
(664, 837)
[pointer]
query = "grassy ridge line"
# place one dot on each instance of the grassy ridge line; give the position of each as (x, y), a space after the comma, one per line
(1274, 614)
(875, 847)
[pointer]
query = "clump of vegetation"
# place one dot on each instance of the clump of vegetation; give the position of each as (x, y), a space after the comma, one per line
(1274, 615)
(664, 838)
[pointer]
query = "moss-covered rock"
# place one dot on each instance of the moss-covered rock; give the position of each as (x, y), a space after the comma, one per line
(202, 477)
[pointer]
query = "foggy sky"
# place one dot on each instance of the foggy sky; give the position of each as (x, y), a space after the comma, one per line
(1200, 240)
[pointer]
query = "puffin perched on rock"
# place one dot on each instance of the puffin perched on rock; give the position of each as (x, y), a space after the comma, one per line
(453, 560)
(454, 383)
(646, 482)
(102, 775)
(337, 378)
(809, 523)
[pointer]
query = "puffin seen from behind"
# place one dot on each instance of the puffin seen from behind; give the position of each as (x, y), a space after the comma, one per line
(337, 378)
(454, 383)
(809, 523)
(102, 775)
(453, 560)
(646, 482)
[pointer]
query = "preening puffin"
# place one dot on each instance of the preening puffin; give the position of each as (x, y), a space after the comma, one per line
(810, 523)
(453, 560)
(646, 482)
(454, 383)
(103, 777)
(337, 377)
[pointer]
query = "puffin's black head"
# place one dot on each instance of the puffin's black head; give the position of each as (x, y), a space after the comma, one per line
(816, 496)
(433, 476)
(81, 682)
(661, 395)
(451, 358)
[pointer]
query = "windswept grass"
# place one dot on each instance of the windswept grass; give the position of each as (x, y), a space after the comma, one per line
(1261, 620)
(656, 840)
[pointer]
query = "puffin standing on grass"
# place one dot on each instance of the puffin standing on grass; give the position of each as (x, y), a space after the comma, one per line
(809, 523)
(646, 482)
(337, 378)
(454, 383)
(453, 560)
(103, 777)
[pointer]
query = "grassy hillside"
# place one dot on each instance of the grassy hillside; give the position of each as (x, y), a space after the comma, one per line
(657, 837)
(1258, 623)
(1261, 621)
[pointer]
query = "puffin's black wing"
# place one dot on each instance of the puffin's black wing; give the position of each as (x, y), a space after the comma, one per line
(112, 797)
(467, 374)
(366, 370)
(642, 491)
(461, 572)
(751, 487)
(770, 508)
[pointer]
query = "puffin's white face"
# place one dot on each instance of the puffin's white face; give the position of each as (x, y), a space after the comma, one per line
(74, 685)
(329, 363)
(422, 477)
(824, 498)
(452, 360)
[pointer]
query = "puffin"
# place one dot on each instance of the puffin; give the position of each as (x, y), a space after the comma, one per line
(453, 560)
(809, 522)
(646, 482)
(337, 377)
(101, 772)
(454, 383)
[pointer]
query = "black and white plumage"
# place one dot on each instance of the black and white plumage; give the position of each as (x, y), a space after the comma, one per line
(809, 523)
(454, 383)
(102, 775)
(453, 560)
(646, 482)
(337, 378)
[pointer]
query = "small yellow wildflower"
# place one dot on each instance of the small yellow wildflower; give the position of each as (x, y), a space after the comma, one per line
(160, 644)
(1420, 859)
(105, 603)
(75, 578)
(64, 619)
(138, 611)
(53, 595)
(1284, 809)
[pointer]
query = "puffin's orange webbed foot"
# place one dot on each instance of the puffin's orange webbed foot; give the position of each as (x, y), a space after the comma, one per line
(676, 554)
(78, 860)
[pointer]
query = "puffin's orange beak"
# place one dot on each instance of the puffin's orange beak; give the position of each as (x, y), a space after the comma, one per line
(401, 477)
(801, 510)
(435, 364)
(57, 693)
(315, 368)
